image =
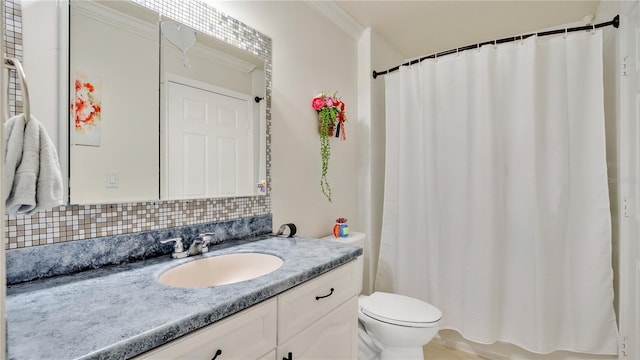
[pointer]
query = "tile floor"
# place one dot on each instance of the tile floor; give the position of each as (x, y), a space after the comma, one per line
(435, 351)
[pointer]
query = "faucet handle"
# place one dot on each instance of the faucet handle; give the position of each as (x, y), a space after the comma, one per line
(206, 240)
(178, 248)
(206, 236)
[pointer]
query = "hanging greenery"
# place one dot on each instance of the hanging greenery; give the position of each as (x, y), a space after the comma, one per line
(331, 115)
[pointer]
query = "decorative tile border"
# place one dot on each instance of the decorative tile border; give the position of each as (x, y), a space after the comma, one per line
(77, 222)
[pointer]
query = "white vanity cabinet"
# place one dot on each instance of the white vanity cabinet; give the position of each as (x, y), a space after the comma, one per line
(249, 334)
(314, 320)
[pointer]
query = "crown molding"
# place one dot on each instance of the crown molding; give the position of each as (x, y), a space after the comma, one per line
(222, 58)
(113, 17)
(333, 12)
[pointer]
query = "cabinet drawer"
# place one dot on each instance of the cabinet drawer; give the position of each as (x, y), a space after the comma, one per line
(308, 302)
(249, 334)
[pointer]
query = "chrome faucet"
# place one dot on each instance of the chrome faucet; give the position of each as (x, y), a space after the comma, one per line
(178, 248)
(200, 245)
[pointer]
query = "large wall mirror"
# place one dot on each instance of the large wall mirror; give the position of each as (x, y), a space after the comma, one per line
(160, 110)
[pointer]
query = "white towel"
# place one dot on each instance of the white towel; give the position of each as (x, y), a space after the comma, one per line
(32, 178)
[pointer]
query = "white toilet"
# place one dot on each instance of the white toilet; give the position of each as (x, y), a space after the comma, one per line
(392, 326)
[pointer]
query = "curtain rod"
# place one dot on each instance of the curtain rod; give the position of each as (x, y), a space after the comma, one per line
(615, 23)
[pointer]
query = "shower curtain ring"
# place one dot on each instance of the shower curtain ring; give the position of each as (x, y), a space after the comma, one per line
(478, 47)
(457, 52)
(495, 44)
(435, 57)
(565, 33)
(593, 29)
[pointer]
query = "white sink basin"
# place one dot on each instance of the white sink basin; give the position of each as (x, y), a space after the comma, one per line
(221, 270)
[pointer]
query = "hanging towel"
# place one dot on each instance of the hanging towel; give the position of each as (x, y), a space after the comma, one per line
(32, 178)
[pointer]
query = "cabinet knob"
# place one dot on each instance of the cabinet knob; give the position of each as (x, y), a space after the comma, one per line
(219, 352)
(324, 296)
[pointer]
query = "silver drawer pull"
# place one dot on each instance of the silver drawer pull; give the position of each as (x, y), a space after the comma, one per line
(322, 297)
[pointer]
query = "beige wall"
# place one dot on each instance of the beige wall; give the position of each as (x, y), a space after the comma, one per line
(41, 61)
(384, 56)
(310, 55)
(374, 53)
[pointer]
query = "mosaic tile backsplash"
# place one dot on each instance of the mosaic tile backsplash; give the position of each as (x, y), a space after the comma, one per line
(77, 222)
(13, 47)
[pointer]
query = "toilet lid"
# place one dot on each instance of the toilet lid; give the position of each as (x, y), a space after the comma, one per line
(400, 310)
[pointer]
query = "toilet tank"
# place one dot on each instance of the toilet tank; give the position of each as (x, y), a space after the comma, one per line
(355, 239)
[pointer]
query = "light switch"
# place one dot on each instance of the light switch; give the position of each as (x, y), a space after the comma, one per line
(113, 179)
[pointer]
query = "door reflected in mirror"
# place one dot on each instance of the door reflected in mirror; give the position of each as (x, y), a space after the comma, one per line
(212, 127)
(179, 123)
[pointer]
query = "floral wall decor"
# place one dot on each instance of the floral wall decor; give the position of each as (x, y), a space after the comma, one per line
(331, 116)
(86, 111)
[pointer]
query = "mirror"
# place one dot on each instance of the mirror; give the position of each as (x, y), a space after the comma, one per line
(159, 110)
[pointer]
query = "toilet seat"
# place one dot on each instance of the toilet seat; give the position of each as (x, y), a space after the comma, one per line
(400, 310)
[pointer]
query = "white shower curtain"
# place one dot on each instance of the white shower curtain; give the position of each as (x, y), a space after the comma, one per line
(496, 206)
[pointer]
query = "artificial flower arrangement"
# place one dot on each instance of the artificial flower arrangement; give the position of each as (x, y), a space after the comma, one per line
(87, 109)
(331, 115)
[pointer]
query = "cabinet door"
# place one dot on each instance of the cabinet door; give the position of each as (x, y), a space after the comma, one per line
(309, 302)
(335, 336)
(249, 334)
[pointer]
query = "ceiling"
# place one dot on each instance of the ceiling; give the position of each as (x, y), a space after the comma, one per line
(417, 28)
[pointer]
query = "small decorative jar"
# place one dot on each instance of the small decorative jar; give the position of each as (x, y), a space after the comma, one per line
(341, 229)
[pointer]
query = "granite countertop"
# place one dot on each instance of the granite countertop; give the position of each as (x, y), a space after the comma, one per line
(121, 311)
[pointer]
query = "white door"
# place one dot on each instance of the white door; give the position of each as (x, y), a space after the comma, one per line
(210, 144)
(629, 136)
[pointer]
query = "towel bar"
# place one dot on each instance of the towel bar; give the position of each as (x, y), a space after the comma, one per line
(14, 64)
